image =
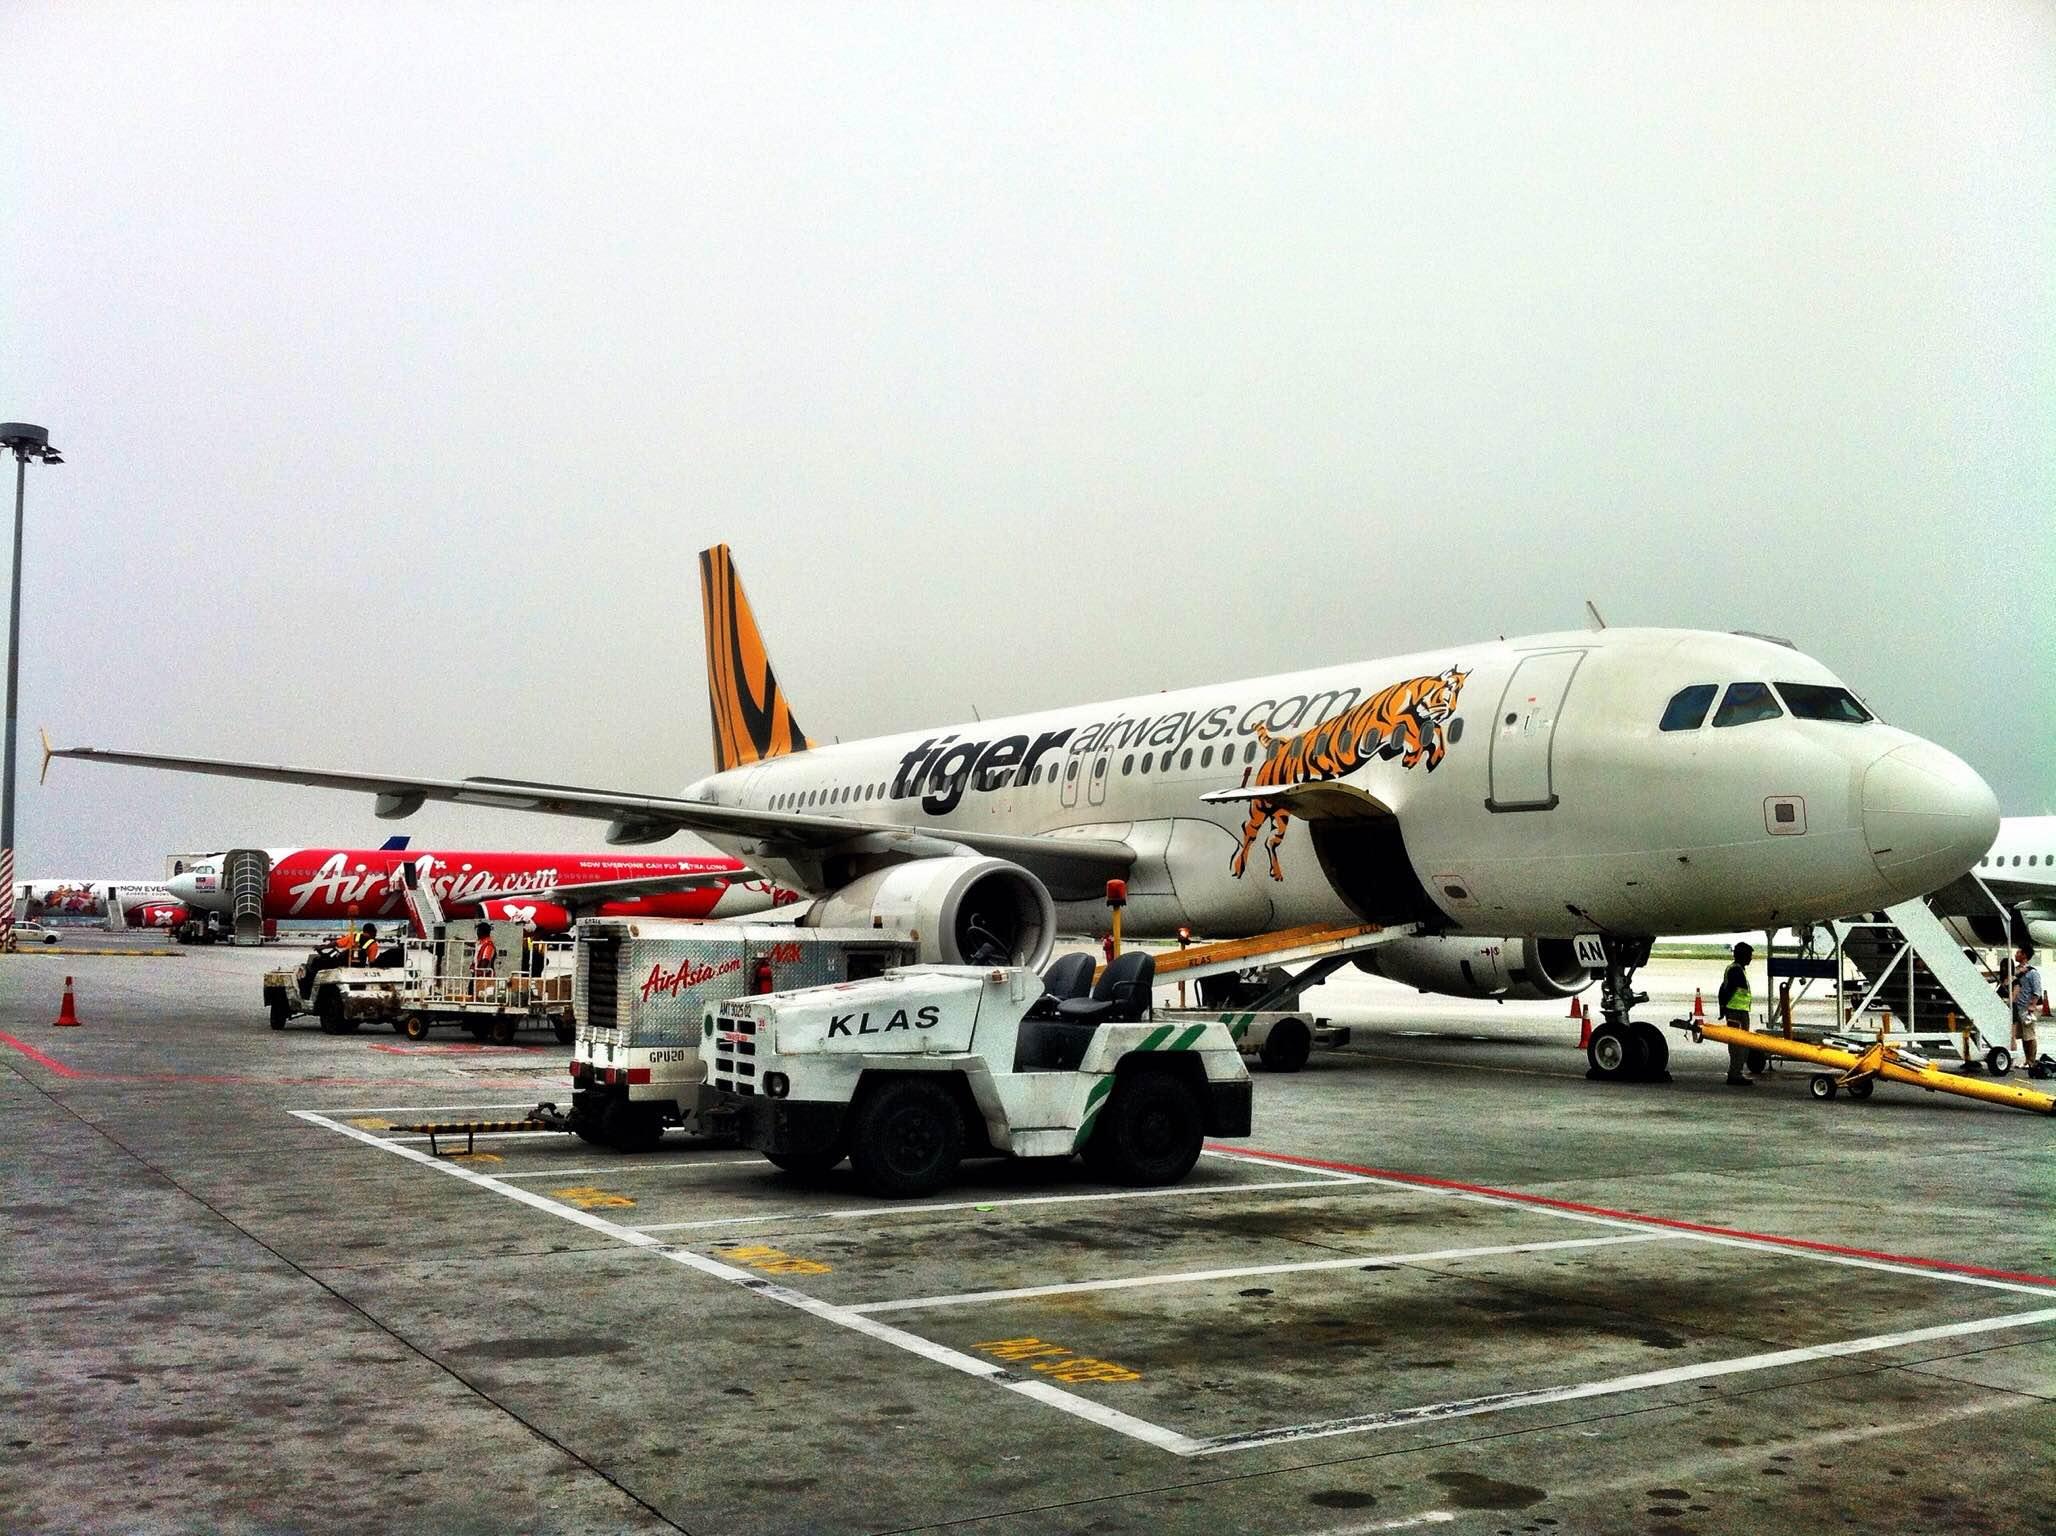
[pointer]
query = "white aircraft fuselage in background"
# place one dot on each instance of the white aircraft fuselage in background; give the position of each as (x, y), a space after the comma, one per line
(1545, 800)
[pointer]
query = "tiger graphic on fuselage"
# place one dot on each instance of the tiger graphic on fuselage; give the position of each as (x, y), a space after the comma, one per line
(1404, 721)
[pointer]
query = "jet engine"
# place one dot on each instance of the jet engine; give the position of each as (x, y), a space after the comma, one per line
(960, 910)
(1527, 970)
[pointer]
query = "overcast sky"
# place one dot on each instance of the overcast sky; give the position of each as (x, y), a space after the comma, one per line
(404, 356)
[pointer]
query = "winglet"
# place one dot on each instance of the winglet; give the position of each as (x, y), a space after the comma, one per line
(752, 720)
(43, 775)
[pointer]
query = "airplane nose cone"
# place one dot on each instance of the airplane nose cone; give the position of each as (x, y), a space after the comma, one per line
(1927, 816)
(182, 888)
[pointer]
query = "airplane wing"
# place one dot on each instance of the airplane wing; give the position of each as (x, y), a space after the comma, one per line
(581, 894)
(1065, 860)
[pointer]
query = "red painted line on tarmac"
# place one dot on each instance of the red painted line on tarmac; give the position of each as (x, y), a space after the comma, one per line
(1914, 1261)
(80, 1075)
(38, 1057)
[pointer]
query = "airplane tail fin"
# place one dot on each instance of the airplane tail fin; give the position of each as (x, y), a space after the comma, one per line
(752, 720)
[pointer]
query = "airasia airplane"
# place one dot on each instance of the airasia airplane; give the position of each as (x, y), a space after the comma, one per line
(1555, 792)
(116, 903)
(548, 890)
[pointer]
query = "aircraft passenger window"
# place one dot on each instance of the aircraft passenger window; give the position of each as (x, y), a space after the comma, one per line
(1099, 769)
(1185, 758)
(1127, 765)
(1147, 759)
(1823, 701)
(1688, 706)
(1206, 758)
(1072, 771)
(1249, 753)
(2016, 861)
(1745, 704)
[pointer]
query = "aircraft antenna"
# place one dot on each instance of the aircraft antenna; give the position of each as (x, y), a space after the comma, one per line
(1593, 609)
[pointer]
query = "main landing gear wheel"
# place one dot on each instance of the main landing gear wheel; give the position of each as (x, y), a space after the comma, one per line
(1149, 1133)
(1287, 1047)
(1822, 1086)
(906, 1138)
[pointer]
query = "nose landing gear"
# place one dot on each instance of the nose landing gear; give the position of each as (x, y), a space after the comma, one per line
(1625, 1050)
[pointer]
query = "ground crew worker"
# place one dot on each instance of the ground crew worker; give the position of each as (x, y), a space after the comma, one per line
(483, 954)
(1735, 1000)
(2027, 997)
(367, 946)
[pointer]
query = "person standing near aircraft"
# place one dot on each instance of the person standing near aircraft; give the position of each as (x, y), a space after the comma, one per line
(2027, 997)
(483, 956)
(1735, 1000)
(367, 946)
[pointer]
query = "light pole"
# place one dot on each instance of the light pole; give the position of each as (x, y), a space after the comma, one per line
(27, 442)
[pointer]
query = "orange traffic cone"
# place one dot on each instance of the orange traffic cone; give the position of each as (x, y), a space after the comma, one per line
(1584, 1024)
(67, 1014)
(1698, 1004)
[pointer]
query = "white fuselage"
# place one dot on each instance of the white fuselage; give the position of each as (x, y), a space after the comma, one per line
(1558, 806)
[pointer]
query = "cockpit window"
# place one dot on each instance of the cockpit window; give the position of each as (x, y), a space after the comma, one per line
(1688, 706)
(1823, 701)
(1745, 704)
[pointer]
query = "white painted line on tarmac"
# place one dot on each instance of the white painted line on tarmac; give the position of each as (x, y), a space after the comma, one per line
(1644, 1381)
(1306, 1266)
(842, 1317)
(1332, 1175)
(908, 1208)
(1512, 1202)
(1403, 1523)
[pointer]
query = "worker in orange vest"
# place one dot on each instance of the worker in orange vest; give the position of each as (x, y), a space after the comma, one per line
(483, 954)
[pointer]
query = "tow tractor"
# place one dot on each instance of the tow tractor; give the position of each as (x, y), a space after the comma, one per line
(907, 1074)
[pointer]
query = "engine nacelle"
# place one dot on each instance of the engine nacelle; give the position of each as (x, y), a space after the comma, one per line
(1528, 970)
(948, 905)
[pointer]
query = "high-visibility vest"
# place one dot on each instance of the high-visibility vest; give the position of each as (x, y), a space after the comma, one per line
(369, 953)
(486, 955)
(1743, 999)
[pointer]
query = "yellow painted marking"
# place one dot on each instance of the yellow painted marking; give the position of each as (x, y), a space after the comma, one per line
(372, 1123)
(775, 1261)
(585, 1197)
(1057, 1362)
(477, 1157)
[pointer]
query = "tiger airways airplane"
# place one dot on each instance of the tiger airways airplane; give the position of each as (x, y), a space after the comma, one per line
(1587, 790)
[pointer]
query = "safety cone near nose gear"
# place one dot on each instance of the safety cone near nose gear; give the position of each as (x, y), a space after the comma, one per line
(67, 1013)
(1583, 1014)
(1698, 1004)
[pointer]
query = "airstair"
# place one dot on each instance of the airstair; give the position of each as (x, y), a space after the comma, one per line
(422, 903)
(1918, 986)
(245, 877)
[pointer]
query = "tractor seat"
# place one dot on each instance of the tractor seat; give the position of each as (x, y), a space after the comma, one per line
(1122, 995)
(1068, 977)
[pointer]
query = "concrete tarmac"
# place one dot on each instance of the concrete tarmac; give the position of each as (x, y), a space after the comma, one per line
(1447, 1284)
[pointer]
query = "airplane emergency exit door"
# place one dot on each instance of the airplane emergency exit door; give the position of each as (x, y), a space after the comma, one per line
(1525, 732)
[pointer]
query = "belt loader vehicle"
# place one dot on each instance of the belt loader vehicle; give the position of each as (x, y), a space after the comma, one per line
(908, 1073)
(642, 989)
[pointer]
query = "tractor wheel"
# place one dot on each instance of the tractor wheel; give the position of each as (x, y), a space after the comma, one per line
(1821, 1085)
(566, 1031)
(630, 1127)
(804, 1165)
(328, 1011)
(414, 1026)
(279, 1013)
(1287, 1047)
(1860, 1089)
(1150, 1131)
(501, 1031)
(906, 1137)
